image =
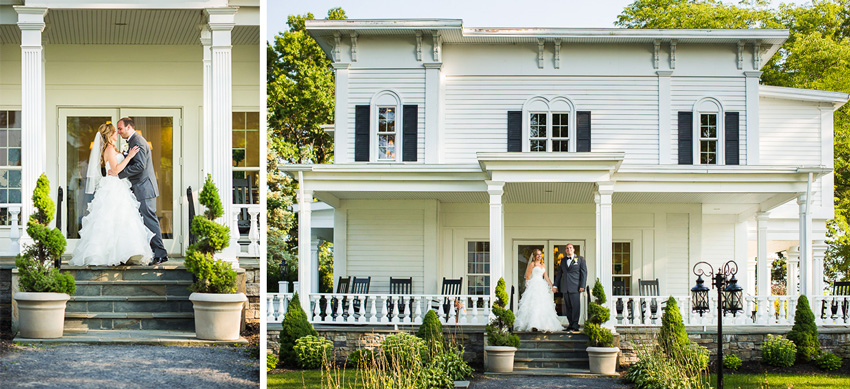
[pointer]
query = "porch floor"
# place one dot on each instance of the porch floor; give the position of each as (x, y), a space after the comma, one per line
(147, 337)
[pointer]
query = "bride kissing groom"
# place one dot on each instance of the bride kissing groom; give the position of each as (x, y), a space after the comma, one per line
(121, 225)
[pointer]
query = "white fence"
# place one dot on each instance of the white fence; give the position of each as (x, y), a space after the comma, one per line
(254, 236)
(388, 309)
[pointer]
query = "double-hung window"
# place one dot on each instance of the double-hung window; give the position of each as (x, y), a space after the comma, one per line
(622, 267)
(478, 268)
(708, 139)
(10, 162)
(548, 131)
(387, 134)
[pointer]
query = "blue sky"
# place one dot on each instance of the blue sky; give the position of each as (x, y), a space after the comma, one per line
(475, 13)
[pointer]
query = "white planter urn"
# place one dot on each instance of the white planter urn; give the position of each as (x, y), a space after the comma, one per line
(603, 360)
(217, 315)
(500, 359)
(41, 315)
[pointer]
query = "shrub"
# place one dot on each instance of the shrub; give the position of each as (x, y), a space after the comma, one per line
(829, 361)
(804, 334)
(431, 330)
(656, 370)
(403, 350)
(293, 327)
(451, 362)
(271, 362)
(361, 357)
(672, 337)
(778, 351)
(211, 275)
(598, 315)
(36, 263)
(312, 351)
(732, 361)
(499, 329)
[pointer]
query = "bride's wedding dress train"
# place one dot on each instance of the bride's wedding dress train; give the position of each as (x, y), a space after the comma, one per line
(113, 232)
(536, 306)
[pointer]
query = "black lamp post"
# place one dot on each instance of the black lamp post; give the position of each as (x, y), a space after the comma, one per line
(729, 299)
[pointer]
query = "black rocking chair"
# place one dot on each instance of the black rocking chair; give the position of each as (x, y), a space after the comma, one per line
(400, 286)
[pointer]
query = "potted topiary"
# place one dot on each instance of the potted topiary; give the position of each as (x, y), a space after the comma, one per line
(501, 343)
(218, 308)
(44, 290)
(601, 351)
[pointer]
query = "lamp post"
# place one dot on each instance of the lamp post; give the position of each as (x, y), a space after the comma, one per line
(729, 299)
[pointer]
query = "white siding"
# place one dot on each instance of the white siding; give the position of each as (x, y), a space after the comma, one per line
(730, 91)
(384, 243)
(678, 246)
(408, 83)
(624, 112)
(789, 132)
(718, 239)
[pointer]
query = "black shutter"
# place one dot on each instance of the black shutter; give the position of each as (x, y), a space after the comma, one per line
(361, 133)
(583, 131)
(733, 154)
(686, 138)
(514, 131)
(410, 141)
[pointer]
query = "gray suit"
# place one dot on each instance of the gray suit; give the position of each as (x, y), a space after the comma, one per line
(143, 179)
(569, 279)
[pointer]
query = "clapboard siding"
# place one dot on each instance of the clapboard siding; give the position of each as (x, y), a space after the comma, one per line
(385, 243)
(408, 83)
(731, 92)
(624, 112)
(718, 239)
(678, 248)
(789, 132)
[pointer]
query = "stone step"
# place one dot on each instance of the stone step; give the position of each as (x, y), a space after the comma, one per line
(151, 337)
(552, 372)
(133, 288)
(179, 321)
(562, 336)
(149, 273)
(578, 344)
(92, 304)
(548, 354)
(550, 363)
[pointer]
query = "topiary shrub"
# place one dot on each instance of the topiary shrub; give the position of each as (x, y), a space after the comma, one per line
(778, 351)
(211, 275)
(672, 338)
(312, 352)
(36, 264)
(499, 329)
(829, 361)
(598, 315)
(361, 357)
(293, 327)
(431, 330)
(804, 334)
(403, 350)
(732, 362)
(271, 362)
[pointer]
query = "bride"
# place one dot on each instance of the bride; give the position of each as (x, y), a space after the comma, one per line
(536, 306)
(113, 232)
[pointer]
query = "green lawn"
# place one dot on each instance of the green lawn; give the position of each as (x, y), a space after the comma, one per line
(308, 379)
(795, 381)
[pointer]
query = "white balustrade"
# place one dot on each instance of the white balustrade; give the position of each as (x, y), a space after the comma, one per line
(254, 211)
(15, 230)
(276, 304)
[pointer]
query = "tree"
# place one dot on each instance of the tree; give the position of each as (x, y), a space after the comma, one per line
(711, 14)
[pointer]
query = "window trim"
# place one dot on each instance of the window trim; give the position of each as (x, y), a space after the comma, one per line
(721, 130)
(540, 104)
(379, 100)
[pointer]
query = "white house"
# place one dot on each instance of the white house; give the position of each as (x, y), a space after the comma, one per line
(458, 150)
(187, 71)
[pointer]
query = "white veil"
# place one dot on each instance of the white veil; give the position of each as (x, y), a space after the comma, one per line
(93, 174)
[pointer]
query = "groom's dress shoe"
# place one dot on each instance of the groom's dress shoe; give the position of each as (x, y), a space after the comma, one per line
(157, 261)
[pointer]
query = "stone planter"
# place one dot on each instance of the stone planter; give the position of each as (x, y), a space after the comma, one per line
(603, 360)
(499, 359)
(218, 316)
(41, 315)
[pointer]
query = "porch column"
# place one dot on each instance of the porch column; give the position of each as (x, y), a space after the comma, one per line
(806, 286)
(763, 265)
(206, 43)
(220, 138)
(604, 239)
(33, 111)
(793, 261)
(818, 252)
(314, 270)
(305, 252)
(497, 233)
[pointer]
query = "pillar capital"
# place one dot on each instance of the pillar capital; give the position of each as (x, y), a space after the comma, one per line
(221, 19)
(762, 216)
(495, 188)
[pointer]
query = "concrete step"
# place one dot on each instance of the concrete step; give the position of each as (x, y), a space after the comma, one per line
(553, 372)
(77, 321)
(152, 337)
(551, 353)
(150, 273)
(93, 304)
(560, 336)
(549, 363)
(559, 344)
(134, 288)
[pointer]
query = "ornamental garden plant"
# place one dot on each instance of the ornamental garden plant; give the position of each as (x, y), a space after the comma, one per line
(294, 326)
(499, 329)
(597, 314)
(211, 275)
(804, 334)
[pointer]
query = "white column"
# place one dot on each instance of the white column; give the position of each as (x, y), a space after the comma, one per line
(432, 112)
(221, 22)
(763, 263)
(752, 130)
(604, 237)
(33, 111)
(793, 262)
(665, 137)
(206, 130)
(305, 252)
(341, 150)
(314, 270)
(818, 252)
(497, 233)
(806, 286)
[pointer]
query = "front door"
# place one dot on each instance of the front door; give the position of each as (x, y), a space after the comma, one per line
(553, 252)
(160, 127)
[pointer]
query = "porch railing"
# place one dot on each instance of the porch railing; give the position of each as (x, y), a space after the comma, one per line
(385, 309)
(252, 249)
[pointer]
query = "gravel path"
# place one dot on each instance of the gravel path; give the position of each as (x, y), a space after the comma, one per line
(538, 382)
(137, 366)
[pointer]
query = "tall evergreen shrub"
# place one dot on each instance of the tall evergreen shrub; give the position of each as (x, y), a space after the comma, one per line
(499, 329)
(295, 325)
(804, 334)
(672, 337)
(211, 275)
(598, 314)
(431, 330)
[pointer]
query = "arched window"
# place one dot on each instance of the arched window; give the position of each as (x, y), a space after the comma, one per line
(386, 127)
(708, 132)
(549, 125)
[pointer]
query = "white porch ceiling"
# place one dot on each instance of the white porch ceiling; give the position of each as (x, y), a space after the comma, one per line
(126, 27)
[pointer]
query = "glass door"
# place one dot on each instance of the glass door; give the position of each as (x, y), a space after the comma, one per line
(553, 252)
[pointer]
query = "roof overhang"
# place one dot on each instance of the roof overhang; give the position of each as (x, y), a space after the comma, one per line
(550, 167)
(836, 99)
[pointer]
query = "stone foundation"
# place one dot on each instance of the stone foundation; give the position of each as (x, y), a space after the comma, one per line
(743, 342)
(6, 301)
(252, 290)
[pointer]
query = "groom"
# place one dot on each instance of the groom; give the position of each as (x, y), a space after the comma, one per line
(570, 279)
(140, 173)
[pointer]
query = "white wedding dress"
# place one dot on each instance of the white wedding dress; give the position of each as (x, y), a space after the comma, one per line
(536, 306)
(113, 232)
